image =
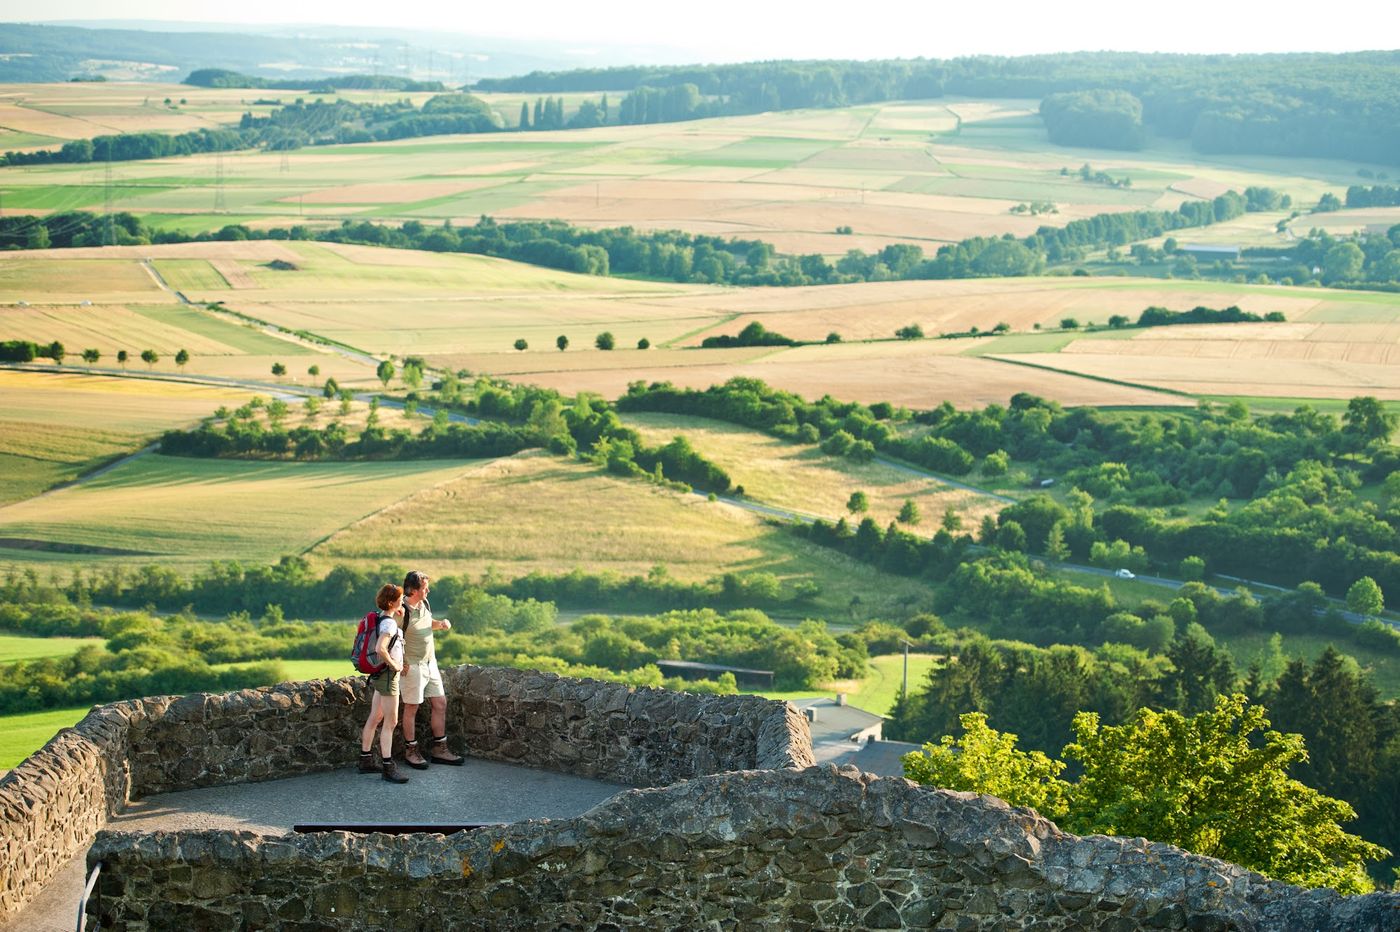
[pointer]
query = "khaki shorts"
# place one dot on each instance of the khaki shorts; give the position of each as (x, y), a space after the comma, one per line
(385, 682)
(421, 681)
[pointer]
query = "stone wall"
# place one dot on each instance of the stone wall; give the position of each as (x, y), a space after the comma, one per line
(794, 849)
(53, 803)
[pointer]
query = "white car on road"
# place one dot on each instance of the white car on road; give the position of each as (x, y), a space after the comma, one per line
(1125, 573)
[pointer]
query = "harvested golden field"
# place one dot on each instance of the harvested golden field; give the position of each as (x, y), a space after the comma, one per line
(1291, 378)
(1244, 349)
(57, 276)
(54, 426)
(868, 373)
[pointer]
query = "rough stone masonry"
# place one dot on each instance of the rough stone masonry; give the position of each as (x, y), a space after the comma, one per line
(814, 848)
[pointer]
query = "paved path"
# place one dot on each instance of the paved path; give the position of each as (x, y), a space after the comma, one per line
(481, 791)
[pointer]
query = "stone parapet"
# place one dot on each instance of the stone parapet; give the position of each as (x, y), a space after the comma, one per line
(777, 850)
(52, 804)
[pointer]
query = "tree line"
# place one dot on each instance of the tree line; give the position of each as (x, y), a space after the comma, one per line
(533, 417)
(320, 122)
(223, 77)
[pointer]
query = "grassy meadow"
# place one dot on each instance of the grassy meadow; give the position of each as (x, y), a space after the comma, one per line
(799, 477)
(252, 511)
(56, 426)
(538, 513)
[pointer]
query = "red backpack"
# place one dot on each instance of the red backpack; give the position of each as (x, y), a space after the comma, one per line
(363, 655)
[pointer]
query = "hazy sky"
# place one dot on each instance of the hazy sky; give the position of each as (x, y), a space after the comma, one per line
(730, 29)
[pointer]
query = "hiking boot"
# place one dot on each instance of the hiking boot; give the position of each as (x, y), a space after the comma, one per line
(367, 764)
(391, 773)
(414, 757)
(440, 754)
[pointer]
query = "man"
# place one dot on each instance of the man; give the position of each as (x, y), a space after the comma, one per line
(420, 676)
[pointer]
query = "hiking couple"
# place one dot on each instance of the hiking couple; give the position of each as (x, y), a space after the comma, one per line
(403, 642)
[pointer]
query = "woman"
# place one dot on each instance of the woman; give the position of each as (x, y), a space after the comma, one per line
(384, 704)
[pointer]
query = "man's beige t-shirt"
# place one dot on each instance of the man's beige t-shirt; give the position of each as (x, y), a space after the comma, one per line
(418, 633)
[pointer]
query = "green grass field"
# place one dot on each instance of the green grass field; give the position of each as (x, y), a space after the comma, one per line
(22, 735)
(14, 647)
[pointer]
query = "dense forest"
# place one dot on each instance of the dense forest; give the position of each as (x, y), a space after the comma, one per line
(1341, 106)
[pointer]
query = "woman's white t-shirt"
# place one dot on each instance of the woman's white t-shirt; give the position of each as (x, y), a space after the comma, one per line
(390, 626)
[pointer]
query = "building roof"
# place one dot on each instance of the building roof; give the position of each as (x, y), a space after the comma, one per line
(1195, 247)
(833, 723)
(882, 757)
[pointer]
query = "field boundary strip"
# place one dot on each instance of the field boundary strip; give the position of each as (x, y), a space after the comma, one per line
(1093, 378)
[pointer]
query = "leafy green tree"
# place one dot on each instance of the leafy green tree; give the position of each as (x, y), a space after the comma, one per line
(412, 375)
(1216, 783)
(910, 332)
(56, 352)
(314, 371)
(996, 463)
(1055, 547)
(833, 337)
(604, 341)
(385, 371)
(181, 358)
(1343, 263)
(122, 357)
(1193, 569)
(984, 760)
(91, 356)
(1069, 323)
(643, 343)
(1011, 536)
(330, 389)
(561, 341)
(909, 513)
(279, 369)
(858, 502)
(150, 357)
(1367, 421)
(524, 122)
(1365, 597)
(952, 521)
(522, 344)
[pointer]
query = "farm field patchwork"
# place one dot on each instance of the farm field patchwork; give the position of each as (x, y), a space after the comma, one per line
(926, 172)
